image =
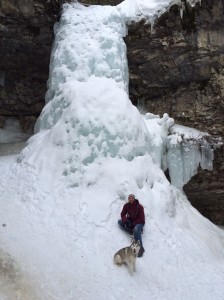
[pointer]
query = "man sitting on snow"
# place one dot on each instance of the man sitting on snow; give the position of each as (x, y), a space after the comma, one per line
(133, 220)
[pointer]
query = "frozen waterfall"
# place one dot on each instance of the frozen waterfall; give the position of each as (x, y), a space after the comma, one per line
(88, 80)
(62, 196)
(88, 116)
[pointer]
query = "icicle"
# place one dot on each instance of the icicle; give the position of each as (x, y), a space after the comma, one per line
(207, 156)
(184, 158)
(182, 10)
(152, 26)
(141, 104)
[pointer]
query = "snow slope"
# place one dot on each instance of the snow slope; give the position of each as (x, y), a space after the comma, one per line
(61, 197)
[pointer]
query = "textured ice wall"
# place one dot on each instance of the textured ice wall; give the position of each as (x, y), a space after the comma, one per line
(179, 149)
(82, 51)
(183, 160)
(88, 117)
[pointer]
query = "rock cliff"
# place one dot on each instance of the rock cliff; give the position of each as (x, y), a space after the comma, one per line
(176, 66)
(26, 35)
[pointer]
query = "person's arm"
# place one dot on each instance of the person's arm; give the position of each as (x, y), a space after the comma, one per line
(140, 217)
(124, 214)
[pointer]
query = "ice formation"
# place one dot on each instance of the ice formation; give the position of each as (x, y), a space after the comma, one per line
(104, 69)
(74, 79)
(179, 149)
(88, 116)
(136, 10)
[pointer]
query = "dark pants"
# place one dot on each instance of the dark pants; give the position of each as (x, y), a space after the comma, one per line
(137, 230)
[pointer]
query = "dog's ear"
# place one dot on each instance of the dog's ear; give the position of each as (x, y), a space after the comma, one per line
(133, 241)
(138, 243)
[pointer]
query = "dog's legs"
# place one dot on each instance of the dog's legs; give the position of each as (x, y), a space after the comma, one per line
(134, 265)
(130, 268)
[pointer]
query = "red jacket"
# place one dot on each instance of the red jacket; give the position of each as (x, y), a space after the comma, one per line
(134, 212)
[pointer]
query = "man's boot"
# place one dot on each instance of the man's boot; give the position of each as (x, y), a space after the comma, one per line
(141, 251)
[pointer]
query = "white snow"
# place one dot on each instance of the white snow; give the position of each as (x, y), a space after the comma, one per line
(62, 196)
(135, 10)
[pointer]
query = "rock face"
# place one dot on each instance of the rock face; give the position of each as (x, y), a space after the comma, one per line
(176, 66)
(26, 35)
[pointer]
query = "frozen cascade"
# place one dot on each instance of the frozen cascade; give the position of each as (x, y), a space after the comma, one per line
(100, 69)
(184, 158)
(179, 148)
(106, 58)
(88, 115)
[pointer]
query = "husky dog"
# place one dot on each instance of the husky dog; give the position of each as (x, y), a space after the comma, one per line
(128, 256)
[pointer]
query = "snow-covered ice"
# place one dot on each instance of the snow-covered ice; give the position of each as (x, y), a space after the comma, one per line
(62, 196)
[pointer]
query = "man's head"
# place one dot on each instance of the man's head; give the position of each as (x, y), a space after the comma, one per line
(131, 198)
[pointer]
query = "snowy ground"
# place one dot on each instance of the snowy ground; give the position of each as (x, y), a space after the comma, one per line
(52, 249)
(61, 197)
